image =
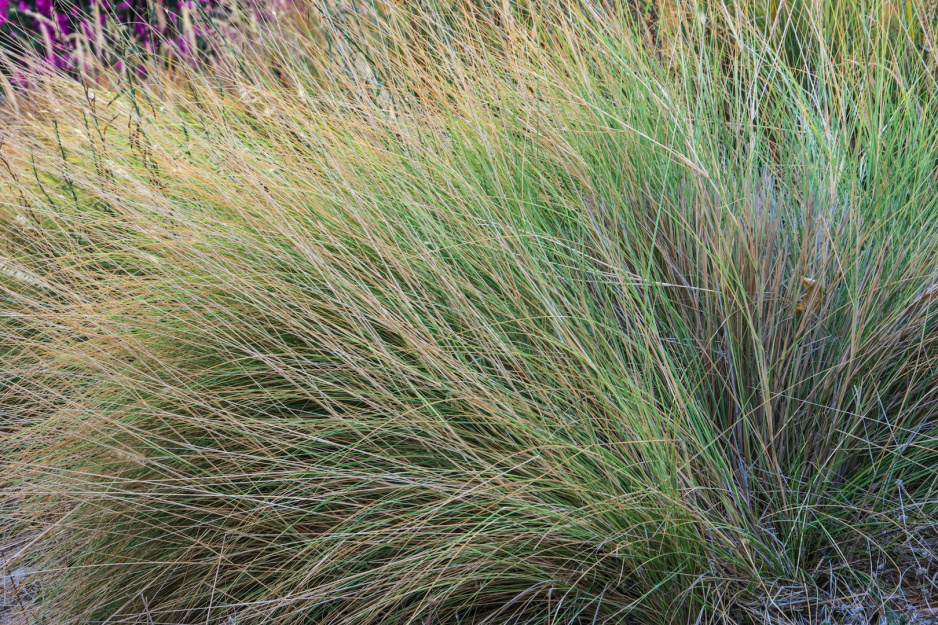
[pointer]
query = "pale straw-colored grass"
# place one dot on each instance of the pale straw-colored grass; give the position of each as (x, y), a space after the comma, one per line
(467, 316)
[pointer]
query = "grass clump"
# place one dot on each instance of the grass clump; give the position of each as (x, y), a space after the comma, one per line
(478, 316)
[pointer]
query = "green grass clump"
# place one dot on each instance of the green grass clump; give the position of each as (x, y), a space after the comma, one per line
(478, 316)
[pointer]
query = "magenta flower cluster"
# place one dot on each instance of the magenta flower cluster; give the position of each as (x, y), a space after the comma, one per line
(65, 33)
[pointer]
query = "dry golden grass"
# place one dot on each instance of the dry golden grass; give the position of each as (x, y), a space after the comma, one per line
(477, 316)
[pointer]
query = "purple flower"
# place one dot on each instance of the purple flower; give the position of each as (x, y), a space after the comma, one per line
(19, 80)
(55, 20)
(61, 61)
(64, 24)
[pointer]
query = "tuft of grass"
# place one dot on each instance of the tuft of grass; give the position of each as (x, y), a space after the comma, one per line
(510, 313)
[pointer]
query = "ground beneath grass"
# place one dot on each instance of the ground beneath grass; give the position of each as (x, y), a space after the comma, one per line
(16, 593)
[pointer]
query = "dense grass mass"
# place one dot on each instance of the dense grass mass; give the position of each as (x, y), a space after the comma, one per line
(512, 314)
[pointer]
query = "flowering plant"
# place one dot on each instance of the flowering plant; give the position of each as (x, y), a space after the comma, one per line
(66, 34)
